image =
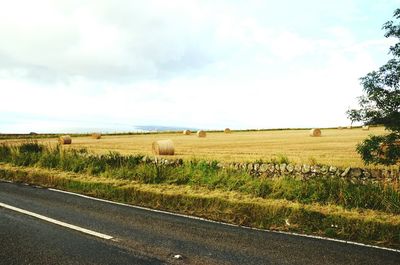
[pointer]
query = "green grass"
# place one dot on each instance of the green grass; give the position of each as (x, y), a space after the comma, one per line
(362, 211)
(367, 226)
(349, 194)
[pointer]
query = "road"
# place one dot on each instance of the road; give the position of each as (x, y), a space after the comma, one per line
(141, 236)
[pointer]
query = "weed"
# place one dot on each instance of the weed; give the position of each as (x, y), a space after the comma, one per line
(200, 173)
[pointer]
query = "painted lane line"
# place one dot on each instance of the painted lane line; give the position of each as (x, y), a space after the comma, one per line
(218, 222)
(4, 180)
(226, 224)
(54, 221)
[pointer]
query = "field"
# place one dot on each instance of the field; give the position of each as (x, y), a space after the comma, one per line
(334, 147)
(363, 210)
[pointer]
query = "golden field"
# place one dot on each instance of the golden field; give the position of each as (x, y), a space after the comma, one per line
(334, 147)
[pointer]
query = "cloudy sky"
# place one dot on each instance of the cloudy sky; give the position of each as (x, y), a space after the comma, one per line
(72, 65)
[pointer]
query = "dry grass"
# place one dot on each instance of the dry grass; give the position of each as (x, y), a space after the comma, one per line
(336, 147)
(367, 226)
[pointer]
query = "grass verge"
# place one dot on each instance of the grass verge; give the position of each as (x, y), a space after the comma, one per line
(360, 225)
(368, 194)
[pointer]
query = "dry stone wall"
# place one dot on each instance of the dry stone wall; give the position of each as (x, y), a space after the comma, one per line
(305, 171)
(300, 171)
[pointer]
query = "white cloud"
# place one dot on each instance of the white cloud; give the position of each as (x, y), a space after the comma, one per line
(102, 40)
(189, 63)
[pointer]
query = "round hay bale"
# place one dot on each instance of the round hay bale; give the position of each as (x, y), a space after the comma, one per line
(315, 132)
(340, 128)
(349, 127)
(227, 130)
(163, 147)
(201, 133)
(365, 128)
(187, 132)
(65, 139)
(96, 135)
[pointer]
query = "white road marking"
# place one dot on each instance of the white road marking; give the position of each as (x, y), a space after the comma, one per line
(227, 224)
(54, 221)
(223, 223)
(8, 181)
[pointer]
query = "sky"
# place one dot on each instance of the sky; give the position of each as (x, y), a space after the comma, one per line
(110, 65)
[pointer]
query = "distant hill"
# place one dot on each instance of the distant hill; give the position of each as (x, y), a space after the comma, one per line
(159, 128)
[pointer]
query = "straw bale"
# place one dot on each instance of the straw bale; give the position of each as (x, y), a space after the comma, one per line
(201, 133)
(315, 132)
(96, 135)
(163, 147)
(65, 139)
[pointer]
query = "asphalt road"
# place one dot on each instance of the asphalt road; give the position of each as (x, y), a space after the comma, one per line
(141, 236)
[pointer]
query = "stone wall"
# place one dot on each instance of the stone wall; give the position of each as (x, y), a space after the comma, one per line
(304, 171)
(300, 171)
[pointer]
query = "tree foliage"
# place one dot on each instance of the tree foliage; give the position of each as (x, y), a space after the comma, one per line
(380, 104)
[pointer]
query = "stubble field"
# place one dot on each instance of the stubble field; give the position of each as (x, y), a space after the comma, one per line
(365, 210)
(334, 147)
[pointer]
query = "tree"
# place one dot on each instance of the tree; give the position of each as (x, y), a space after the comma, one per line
(380, 104)
(353, 115)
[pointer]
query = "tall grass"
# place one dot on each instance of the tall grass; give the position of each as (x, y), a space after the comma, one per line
(373, 227)
(337, 191)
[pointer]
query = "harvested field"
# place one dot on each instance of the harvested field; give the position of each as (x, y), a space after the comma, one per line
(335, 147)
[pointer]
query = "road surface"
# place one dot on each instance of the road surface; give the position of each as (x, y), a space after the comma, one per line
(35, 228)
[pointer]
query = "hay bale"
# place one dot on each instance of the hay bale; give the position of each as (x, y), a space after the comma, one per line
(96, 135)
(65, 139)
(187, 132)
(340, 128)
(163, 147)
(227, 130)
(349, 127)
(315, 132)
(201, 133)
(365, 128)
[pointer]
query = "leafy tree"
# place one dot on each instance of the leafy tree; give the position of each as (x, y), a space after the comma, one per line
(353, 115)
(380, 104)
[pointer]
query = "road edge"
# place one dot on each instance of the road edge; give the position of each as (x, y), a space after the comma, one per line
(64, 184)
